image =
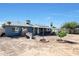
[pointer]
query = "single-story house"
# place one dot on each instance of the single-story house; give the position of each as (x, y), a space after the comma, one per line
(18, 30)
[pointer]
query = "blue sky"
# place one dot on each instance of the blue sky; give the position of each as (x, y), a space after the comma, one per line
(40, 13)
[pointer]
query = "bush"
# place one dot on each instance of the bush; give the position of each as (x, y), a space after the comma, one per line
(70, 26)
(62, 34)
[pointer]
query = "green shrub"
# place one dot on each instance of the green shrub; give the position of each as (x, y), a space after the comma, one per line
(62, 34)
(70, 26)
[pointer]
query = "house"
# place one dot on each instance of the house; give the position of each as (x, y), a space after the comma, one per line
(76, 30)
(18, 30)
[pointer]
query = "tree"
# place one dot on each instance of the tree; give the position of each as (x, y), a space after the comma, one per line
(52, 26)
(9, 23)
(28, 22)
(70, 26)
(62, 33)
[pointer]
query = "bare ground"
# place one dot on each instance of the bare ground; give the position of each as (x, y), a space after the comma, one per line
(25, 47)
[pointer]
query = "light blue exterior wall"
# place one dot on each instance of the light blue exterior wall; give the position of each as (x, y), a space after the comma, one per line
(10, 32)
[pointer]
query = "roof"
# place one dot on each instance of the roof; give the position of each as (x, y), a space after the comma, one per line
(26, 25)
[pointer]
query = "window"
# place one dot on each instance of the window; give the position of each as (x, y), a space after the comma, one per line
(15, 29)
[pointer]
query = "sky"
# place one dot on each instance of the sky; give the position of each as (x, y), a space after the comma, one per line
(39, 13)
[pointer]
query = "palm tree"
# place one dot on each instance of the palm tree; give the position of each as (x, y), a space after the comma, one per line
(52, 27)
(51, 24)
(28, 21)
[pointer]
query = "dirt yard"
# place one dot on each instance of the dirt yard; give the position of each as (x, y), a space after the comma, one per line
(25, 47)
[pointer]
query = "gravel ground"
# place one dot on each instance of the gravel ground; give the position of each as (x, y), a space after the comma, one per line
(24, 47)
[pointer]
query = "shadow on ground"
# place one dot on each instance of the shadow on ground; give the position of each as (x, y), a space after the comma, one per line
(66, 41)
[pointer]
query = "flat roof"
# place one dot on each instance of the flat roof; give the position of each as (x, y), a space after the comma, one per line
(26, 25)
